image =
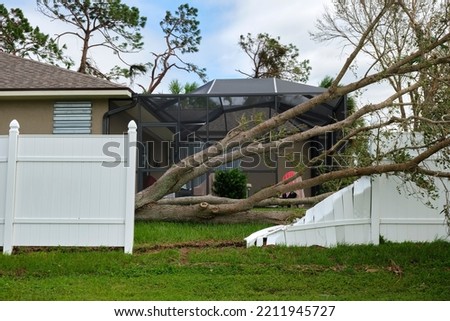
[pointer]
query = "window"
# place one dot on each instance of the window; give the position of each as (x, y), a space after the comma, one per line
(72, 118)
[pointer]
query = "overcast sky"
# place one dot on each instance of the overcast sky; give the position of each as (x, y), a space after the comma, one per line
(221, 24)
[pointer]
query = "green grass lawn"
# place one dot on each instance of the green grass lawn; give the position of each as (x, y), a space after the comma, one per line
(209, 262)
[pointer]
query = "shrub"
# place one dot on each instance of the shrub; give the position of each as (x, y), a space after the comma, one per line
(230, 183)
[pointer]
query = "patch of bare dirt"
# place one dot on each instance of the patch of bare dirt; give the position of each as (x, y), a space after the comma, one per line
(187, 246)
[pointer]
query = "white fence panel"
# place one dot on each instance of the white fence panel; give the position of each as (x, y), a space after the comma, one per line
(370, 209)
(362, 197)
(3, 171)
(360, 214)
(404, 217)
(66, 191)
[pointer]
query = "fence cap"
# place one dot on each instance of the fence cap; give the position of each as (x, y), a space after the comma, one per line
(14, 124)
(132, 125)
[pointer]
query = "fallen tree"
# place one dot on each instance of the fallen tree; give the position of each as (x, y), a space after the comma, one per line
(203, 209)
(423, 64)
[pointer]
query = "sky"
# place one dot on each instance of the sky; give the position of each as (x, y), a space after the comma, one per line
(221, 24)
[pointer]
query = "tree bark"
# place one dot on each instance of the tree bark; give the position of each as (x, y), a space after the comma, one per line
(214, 200)
(204, 213)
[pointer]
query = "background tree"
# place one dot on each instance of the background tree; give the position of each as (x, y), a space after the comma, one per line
(326, 82)
(429, 57)
(181, 36)
(405, 28)
(19, 38)
(98, 24)
(408, 27)
(176, 88)
(271, 59)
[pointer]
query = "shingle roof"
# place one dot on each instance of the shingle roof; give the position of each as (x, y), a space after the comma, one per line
(23, 74)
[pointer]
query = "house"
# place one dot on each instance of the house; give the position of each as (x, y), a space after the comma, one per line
(46, 99)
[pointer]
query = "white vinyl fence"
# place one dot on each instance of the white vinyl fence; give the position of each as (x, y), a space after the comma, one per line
(362, 213)
(67, 190)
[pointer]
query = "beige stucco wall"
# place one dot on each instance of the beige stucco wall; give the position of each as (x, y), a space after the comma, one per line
(118, 123)
(35, 116)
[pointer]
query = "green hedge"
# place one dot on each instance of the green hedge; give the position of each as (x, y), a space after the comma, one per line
(230, 183)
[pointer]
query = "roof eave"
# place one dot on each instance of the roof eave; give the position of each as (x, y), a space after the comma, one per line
(68, 93)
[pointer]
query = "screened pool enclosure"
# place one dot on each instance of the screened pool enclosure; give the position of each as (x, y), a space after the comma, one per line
(170, 127)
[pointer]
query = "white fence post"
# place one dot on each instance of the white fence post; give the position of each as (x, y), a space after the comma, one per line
(375, 210)
(10, 202)
(130, 187)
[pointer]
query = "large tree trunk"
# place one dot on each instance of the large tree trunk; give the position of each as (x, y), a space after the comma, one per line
(197, 213)
(206, 209)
